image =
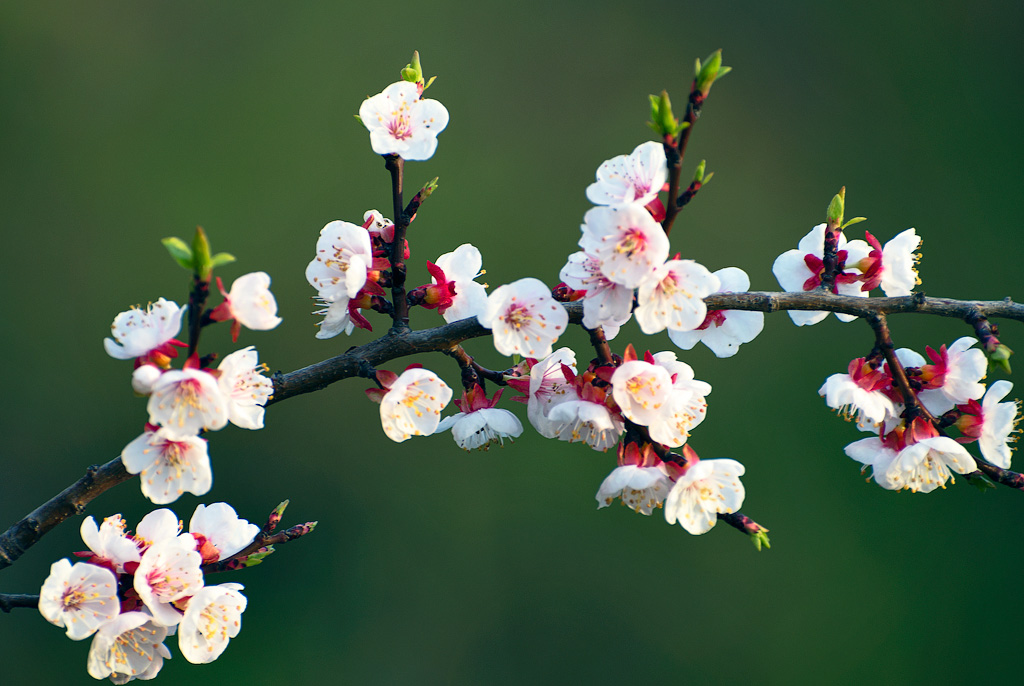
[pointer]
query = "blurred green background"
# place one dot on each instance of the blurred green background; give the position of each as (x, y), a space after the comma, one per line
(122, 123)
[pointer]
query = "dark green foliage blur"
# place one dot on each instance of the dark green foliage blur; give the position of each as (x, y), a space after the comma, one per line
(123, 123)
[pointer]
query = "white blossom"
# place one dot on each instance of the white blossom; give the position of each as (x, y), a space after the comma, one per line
(673, 298)
(587, 422)
(606, 303)
(413, 403)
(463, 265)
(213, 617)
(999, 421)
(79, 597)
(187, 401)
(129, 646)
(168, 465)
(343, 254)
(899, 274)
(478, 429)
(222, 528)
(631, 179)
(708, 488)
(402, 123)
(548, 387)
(641, 489)
(109, 543)
(138, 332)
(251, 303)
(169, 571)
(245, 388)
(723, 331)
(524, 318)
(626, 241)
(926, 465)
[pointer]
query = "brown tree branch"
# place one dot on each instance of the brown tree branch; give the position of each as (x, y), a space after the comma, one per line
(73, 500)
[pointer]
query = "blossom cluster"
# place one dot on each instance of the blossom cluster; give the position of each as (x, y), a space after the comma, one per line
(170, 455)
(909, 451)
(625, 255)
(132, 590)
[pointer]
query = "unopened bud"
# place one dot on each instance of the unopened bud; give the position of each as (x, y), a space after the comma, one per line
(708, 71)
(663, 122)
(836, 208)
(1000, 358)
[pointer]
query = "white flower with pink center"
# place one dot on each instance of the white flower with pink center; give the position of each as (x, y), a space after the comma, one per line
(110, 546)
(587, 422)
(250, 303)
(213, 617)
(138, 333)
(926, 465)
(626, 241)
(892, 267)
(992, 423)
(707, 489)
(641, 390)
(169, 571)
(800, 270)
(412, 404)
(674, 297)
(463, 265)
(220, 531)
(548, 387)
(168, 465)
(723, 331)
(402, 123)
(129, 646)
(79, 598)
(343, 254)
(641, 489)
(859, 394)
(606, 303)
(246, 389)
(524, 318)
(628, 179)
(187, 401)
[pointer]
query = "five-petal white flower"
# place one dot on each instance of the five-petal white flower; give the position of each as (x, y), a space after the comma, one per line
(79, 597)
(213, 617)
(138, 332)
(708, 488)
(524, 318)
(168, 465)
(631, 179)
(402, 123)
(413, 403)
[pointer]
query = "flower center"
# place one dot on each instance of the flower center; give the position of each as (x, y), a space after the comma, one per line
(518, 317)
(399, 127)
(632, 241)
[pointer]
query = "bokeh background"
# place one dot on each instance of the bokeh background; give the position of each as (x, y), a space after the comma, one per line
(122, 123)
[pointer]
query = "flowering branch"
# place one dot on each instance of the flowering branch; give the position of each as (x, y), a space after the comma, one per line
(393, 345)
